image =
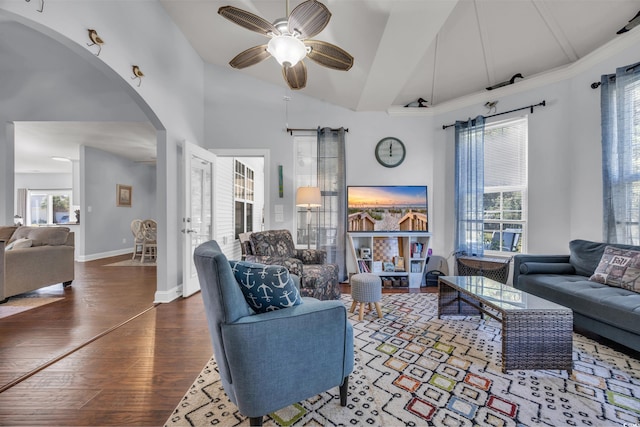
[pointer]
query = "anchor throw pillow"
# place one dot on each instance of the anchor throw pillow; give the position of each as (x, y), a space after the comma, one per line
(266, 287)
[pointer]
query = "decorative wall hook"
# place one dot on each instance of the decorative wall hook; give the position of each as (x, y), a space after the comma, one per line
(137, 74)
(633, 22)
(420, 103)
(491, 106)
(95, 40)
(41, 5)
(508, 82)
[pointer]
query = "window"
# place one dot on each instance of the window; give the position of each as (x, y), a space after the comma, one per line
(620, 101)
(319, 160)
(505, 185)
(49, 207)
(306, 175)
(244, 197)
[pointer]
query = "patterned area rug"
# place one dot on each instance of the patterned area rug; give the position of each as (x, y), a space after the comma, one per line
(415, 369)
(17, 305)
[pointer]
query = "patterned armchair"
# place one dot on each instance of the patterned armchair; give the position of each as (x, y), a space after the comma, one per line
(317, 278)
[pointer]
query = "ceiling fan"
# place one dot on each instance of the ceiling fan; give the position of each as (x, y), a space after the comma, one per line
(290, 41)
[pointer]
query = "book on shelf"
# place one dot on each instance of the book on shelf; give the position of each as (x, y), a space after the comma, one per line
(416, 249)
(363, 266)
(416, 267)
(376, 266)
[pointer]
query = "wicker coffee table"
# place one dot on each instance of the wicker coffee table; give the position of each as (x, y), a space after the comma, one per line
(536, 333)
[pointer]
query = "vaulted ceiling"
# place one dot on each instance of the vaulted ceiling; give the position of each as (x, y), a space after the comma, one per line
(438, 50)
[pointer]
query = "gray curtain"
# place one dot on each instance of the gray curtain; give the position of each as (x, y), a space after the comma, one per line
(21, 204)
(333, 184)
(469, 188)
(619, 100)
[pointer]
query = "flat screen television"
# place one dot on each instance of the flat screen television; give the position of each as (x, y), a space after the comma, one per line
(387, 208)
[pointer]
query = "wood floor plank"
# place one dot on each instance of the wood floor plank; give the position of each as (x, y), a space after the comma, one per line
(22, 399)
(135, 375)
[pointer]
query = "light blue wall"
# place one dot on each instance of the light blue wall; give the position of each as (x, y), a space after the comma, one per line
(107, 225)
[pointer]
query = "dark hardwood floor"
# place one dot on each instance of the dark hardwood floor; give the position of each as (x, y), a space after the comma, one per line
(105, 355)
(139, 361)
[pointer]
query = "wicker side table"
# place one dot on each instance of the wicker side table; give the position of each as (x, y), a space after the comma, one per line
(493, 268)
(536, 333)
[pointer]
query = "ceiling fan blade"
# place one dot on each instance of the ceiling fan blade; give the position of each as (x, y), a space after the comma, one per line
(295, 76)
(329, 55)
(309, 18)
(250, 57)
(248, 20)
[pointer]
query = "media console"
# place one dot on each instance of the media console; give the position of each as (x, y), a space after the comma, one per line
(400, 257)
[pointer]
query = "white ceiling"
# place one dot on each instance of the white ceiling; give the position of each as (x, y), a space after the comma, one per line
(439, 50)
(40, 141)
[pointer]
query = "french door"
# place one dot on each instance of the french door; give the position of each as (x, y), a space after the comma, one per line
(197, 222)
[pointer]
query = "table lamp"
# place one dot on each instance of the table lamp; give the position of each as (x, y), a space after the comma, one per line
(308, 197)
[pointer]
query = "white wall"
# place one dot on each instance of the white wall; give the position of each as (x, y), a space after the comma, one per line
(565, 181)
(44, 181)
(242, 112)
(32, 90)
(224, 226)
(140, 33)
(223, 203)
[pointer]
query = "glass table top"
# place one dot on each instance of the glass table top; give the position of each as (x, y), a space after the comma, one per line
(500, 296)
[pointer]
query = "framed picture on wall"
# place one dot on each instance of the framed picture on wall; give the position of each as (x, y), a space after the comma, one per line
(123, 195)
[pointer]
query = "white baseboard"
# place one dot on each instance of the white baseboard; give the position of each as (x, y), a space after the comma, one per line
(168, 296)
(93, 257)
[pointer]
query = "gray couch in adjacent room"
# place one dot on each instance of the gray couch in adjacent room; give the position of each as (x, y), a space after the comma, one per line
(609, 311)
(41, 256)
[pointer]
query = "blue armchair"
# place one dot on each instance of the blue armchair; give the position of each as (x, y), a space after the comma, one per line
(271, 360)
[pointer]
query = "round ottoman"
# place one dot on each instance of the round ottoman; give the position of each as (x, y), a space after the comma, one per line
(366, 288)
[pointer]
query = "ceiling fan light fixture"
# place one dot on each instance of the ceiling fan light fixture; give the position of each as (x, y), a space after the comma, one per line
(282, 25)
(287, 49)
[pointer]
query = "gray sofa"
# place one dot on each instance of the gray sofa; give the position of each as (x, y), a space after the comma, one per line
(49, 259)
(609, 311)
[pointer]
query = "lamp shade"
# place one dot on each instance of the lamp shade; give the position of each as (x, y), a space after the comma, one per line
(287, 49)
(308, 197)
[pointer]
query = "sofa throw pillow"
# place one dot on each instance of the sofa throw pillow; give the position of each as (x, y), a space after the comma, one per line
(585, 256)
(266, 287)
(18, 244)
(619, 267)
(547, 268)
(52, 236)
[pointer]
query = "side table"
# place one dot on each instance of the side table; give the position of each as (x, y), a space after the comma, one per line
(493, 268)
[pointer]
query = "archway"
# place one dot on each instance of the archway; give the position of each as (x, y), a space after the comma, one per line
(20, 37)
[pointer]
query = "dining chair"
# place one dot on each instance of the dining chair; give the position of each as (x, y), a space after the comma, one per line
(138, 238)
(149, 243)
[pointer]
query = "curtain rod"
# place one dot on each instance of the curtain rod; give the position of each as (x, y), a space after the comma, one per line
(292, 130)
(595, 85)
(540, 104)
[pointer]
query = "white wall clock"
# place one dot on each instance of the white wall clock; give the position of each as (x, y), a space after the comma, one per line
(390, 152)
